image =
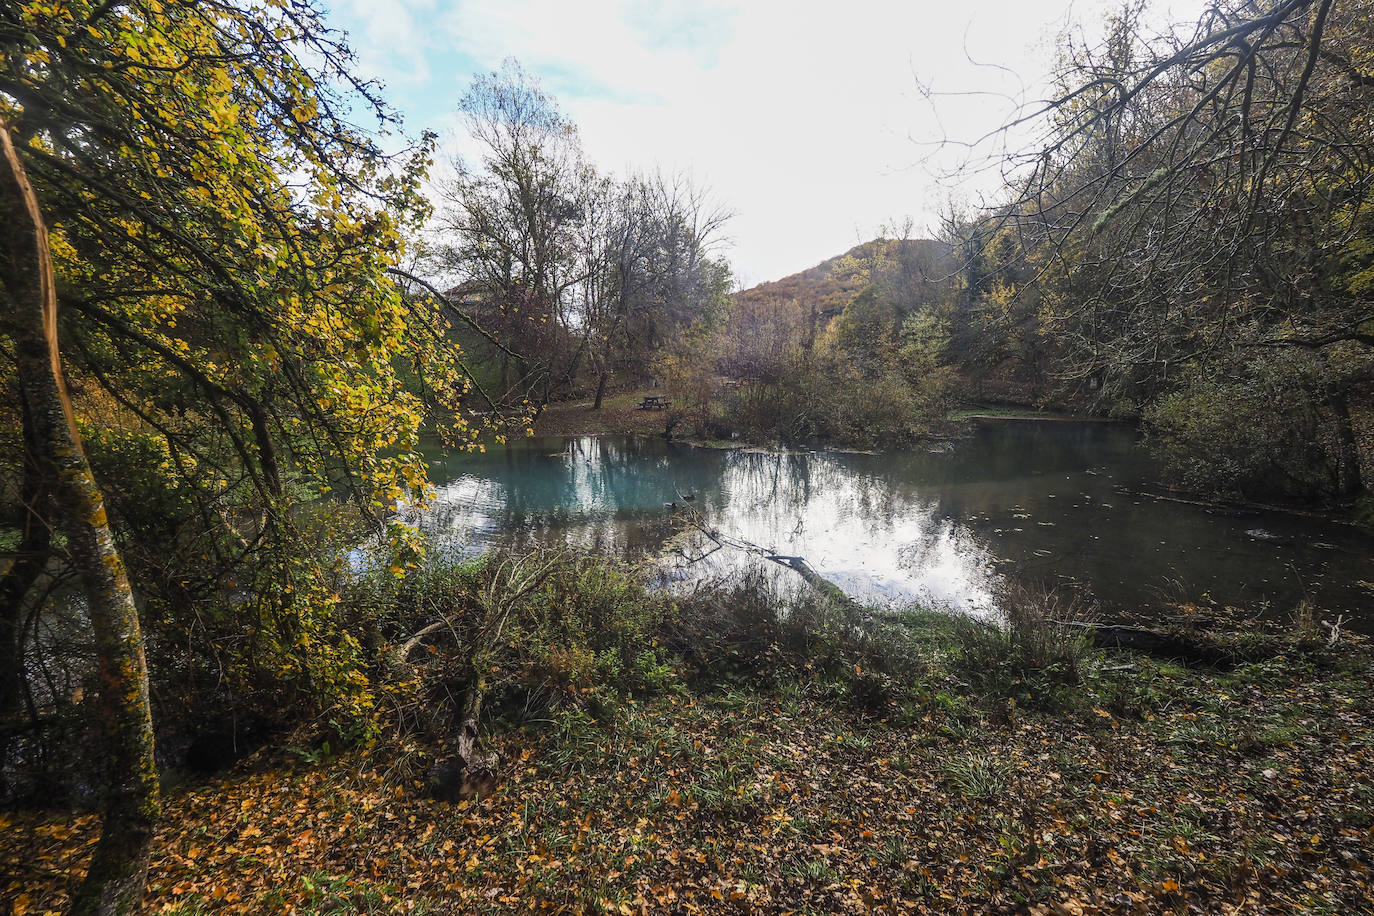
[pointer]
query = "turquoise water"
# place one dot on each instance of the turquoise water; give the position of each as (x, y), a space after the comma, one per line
(1037, 502)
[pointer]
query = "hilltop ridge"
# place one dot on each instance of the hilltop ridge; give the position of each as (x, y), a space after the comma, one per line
(834, 281)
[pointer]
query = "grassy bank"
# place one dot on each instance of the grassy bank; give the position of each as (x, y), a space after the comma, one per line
(619, 416)
(1248, 792)
(726, 755)
(1025, 413)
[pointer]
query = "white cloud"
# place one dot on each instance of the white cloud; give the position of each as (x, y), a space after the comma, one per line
(390, 43)
(802, 117)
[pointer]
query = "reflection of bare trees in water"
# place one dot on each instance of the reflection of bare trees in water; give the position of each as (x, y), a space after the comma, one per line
(784, 484)
(720, 540)
(834, 521)
(874, 532)
(1029, 501)
(622, 496)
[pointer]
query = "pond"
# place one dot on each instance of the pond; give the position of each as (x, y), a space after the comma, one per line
(1052, 503)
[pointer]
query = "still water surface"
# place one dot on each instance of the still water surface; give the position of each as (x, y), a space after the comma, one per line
(1048, 502)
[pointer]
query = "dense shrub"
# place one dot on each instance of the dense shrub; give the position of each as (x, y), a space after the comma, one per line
(540, 629)
(594, 624)
(1028, 655)
(1259, 434)
(746, 631)
(831, 401)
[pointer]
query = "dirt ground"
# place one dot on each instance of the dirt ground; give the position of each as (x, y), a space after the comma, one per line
(619, 416)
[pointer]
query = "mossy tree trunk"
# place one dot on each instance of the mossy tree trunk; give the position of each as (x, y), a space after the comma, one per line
(115, 880)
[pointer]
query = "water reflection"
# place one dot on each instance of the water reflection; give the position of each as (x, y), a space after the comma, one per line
(1045, 501)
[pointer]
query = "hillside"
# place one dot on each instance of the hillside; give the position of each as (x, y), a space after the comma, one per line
(833, 282)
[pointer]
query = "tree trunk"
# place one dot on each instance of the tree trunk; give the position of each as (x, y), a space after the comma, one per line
(814, 579)
(479, 769)
(115, 881)
(470, 773)
(267, 450)
(600, 389)
(1349, 482)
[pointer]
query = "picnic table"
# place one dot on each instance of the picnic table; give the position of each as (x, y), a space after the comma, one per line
(654, 402)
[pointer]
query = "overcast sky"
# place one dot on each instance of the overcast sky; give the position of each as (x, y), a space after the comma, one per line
(805, 119)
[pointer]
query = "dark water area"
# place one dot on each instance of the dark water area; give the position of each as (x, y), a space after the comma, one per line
(1037, 502)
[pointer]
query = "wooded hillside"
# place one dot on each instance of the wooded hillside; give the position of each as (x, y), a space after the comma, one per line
(828, 286)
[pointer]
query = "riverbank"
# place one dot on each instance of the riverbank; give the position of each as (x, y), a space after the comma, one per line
(619, 416)
(1026, 413)
(968, 782)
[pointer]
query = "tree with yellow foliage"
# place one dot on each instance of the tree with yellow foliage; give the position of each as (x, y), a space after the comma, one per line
(208, 236)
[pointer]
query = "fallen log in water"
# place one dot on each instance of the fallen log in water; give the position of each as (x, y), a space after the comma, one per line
(813, 578)
(798, 565)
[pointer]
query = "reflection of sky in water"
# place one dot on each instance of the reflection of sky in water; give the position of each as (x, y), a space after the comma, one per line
(610, 494)
(1043, 501)
(850, 528)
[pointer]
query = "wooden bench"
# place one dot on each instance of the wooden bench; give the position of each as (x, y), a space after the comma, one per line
(654, 402)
